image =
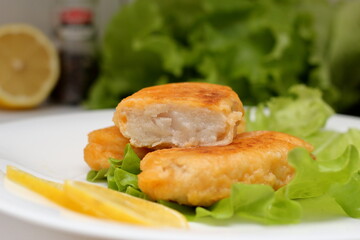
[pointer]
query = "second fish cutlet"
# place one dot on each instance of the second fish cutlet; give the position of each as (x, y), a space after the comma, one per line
(107, 143)
(203, 175)
(180, 115)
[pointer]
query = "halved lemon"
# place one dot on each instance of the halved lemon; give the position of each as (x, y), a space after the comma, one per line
(113, 205)
(29, 66)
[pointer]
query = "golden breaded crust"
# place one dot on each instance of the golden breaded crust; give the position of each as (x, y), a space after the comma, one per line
(208, 95)
(203, 175)
(106, 143)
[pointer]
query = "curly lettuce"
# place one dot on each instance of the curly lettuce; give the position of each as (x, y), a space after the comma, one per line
(260, 48)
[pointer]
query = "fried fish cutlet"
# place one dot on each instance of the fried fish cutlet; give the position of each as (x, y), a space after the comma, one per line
(105, 143)
(201, 176)
(180, 115)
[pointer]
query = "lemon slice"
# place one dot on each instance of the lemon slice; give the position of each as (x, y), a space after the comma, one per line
(99, 201)
(110, 204)
(51, 190)
(29, 66)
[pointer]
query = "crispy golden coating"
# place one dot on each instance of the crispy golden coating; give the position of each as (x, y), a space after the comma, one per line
(180, 115)
(203, 175)
(105, 143)
(208, 95)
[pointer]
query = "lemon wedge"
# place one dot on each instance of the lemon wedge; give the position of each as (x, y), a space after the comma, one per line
(98, 201)
(29, 66)
(113, 205)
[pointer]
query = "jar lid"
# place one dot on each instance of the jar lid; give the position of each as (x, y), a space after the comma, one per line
(76, 15)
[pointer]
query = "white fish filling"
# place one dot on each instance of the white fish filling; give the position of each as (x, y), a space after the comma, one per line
(162, 124)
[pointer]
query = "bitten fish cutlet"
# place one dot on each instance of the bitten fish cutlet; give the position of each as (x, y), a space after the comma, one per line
(203, 175)
(106, 143)
(180, 115)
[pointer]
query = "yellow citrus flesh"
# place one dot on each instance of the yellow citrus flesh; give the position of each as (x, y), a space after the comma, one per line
(29, 66)
(110, 204)
(99, 201)
(51, 190)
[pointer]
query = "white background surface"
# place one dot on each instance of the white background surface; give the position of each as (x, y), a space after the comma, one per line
(40, 13)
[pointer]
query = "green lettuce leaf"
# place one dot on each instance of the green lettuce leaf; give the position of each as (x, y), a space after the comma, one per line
(314, 178)
(332, 144)
(254, 202)
(344, 57)
(122, 173)
(130, 162)
(348, 195)
(259, 48)
(301, 114)
(124, 179)
(95, 176)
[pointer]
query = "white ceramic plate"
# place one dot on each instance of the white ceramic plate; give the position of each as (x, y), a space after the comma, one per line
(51, 147)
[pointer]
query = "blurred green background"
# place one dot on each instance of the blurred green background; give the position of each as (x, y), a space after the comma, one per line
(258, 47)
